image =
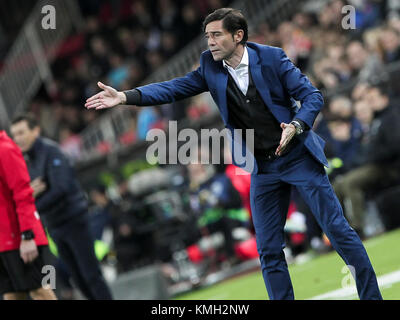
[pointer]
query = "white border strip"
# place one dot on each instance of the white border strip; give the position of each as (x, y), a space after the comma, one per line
(343, 293)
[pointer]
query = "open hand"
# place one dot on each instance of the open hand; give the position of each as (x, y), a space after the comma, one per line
(287, 134)
(107, 98)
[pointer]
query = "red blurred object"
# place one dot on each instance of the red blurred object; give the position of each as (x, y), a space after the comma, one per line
(241, 181)
(194, 253)
(297, 238)
(247, 249)
(292, 209)
(73, 44)
(127, 138)
(195, 111)
(103, 147)
(159, 124)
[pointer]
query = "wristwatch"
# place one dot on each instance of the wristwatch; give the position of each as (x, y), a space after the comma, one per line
(27, 235)
(298, 127)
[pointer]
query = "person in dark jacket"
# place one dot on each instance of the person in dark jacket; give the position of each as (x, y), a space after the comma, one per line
(378, 160)
(62, 205)
(218, 205)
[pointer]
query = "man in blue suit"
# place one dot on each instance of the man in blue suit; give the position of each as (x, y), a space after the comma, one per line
(254, 87)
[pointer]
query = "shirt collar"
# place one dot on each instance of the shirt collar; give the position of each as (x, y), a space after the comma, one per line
(243, 63)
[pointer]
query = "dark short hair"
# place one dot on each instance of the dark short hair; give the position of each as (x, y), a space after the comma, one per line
(28, 117)
(232, 21)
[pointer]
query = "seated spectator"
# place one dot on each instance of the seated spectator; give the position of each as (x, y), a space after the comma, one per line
(100, 214)
(342, 146)
(132, 242)
(381, 158)
(340, 107)
(364, 114)
(390, 43)
(218, 205)
(363, 65)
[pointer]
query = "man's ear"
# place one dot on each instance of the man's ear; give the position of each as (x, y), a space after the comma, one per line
(37, 131)
(239, 36)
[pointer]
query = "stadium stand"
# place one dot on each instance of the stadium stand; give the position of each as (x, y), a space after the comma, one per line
(131, 42)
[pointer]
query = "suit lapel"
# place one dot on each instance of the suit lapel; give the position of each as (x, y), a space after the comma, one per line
(259, 82)
(222, 81)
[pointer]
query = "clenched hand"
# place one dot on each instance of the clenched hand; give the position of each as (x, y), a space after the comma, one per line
(28, 250)
(38, 186)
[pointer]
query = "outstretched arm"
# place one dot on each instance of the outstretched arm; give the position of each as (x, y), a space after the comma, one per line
(189, 85)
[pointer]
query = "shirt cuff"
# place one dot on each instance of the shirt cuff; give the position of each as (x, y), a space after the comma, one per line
(133, 96)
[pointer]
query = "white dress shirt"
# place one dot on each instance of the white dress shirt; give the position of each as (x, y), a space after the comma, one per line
(241, 73)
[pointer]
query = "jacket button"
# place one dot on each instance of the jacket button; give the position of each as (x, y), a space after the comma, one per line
(247, 101)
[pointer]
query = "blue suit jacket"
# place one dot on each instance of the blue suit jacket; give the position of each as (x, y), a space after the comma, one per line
(277, 80)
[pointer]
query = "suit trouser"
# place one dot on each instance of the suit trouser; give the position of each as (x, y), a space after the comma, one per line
(270, 196)
(75, 247)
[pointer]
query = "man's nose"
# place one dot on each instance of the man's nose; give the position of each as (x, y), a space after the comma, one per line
(211, 42)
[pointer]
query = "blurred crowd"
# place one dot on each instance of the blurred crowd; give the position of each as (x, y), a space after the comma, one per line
(121, 43)
(124, 41)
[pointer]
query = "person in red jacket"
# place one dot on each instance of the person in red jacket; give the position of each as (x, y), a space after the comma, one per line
(22, 238)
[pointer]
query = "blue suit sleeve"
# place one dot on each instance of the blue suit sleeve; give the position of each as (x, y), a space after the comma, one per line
(58, 175)
(300, 88)
(189, 85)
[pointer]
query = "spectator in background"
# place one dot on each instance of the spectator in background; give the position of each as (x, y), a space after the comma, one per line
(119, 71)
(217, 203)
(133, 241)
(364, 114)
(363, 65)
(101, 213)
(70, 143)
(169, 44)
(62, 204)
(23, 241)
(381, 157)
(147, 118)
(342, 145)
(367, 13)
(99, 62)
(296, 43)
(390, 43)
(340, 107)
(191, 22)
